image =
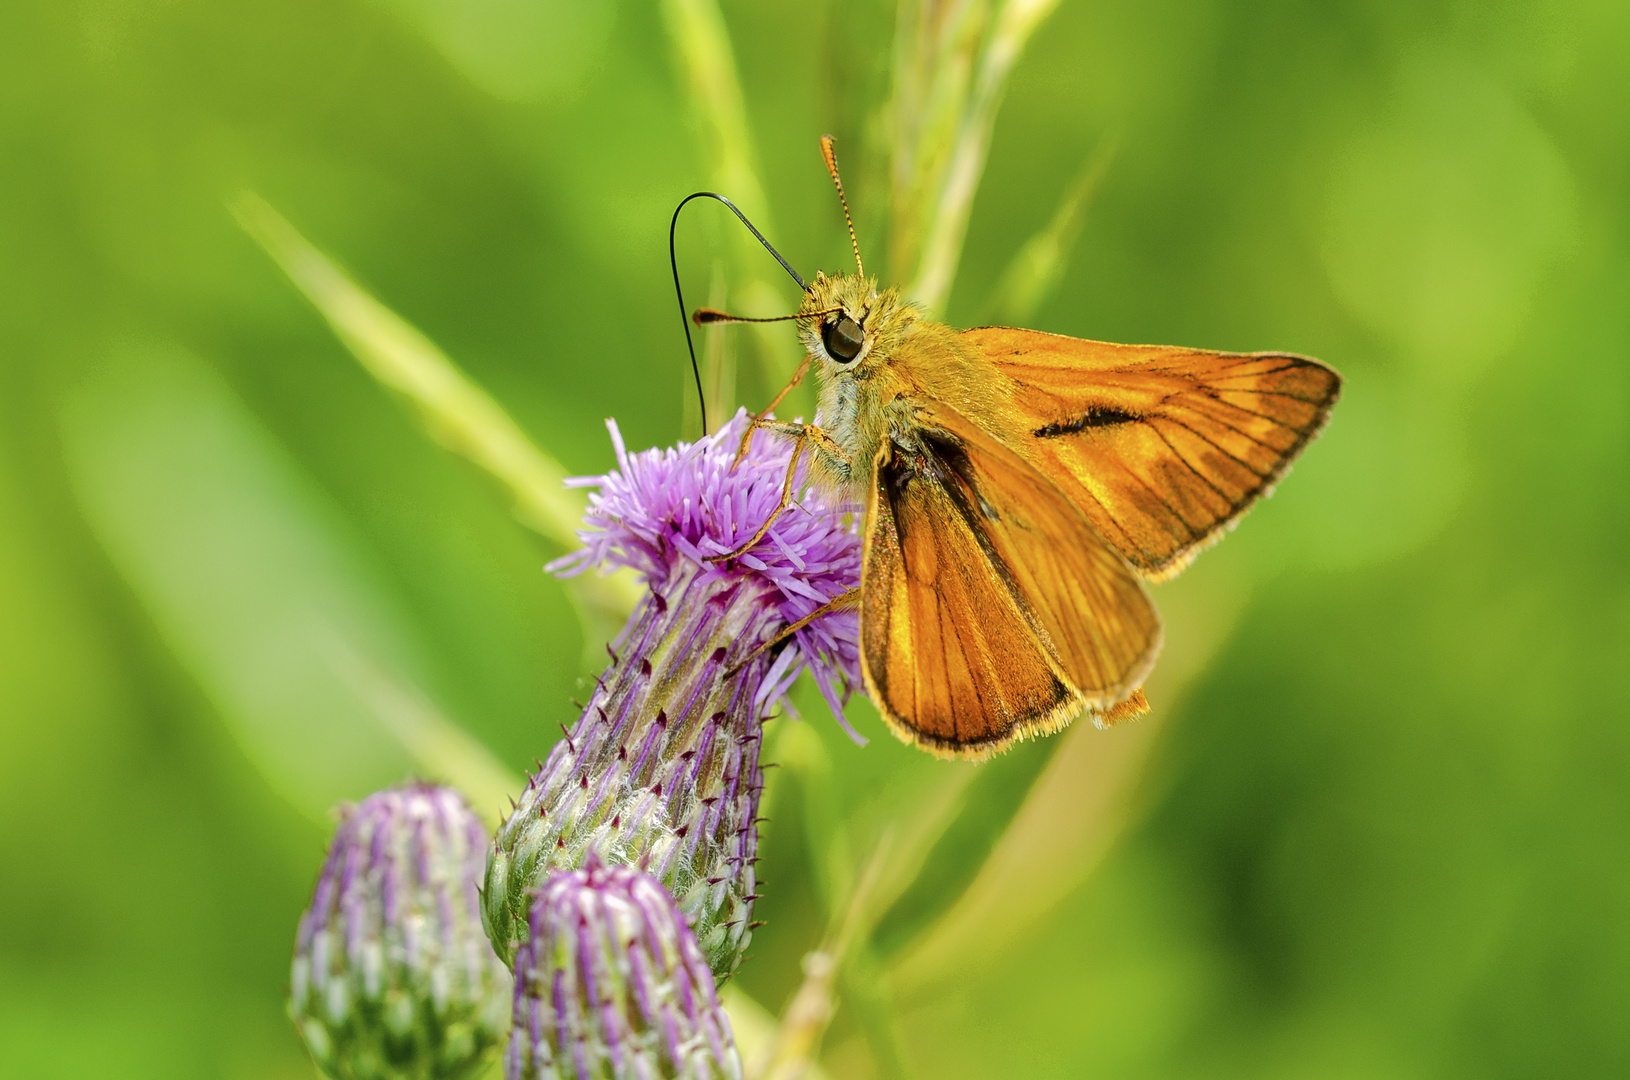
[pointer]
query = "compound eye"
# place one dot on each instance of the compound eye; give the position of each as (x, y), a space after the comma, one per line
(843, 339)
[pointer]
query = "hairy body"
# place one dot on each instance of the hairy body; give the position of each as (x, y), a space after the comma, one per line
(876, 398)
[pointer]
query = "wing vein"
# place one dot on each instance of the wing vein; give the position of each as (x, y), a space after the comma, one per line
(1227, 499)
(1158, 497)
(1241, 433)
(1223, 450)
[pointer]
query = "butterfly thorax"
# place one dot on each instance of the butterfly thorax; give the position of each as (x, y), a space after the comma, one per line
(886, 395)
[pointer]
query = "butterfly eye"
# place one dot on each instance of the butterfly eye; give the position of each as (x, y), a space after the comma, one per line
(843, 339)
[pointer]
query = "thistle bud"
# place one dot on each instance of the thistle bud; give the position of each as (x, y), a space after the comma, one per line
(393, 978)
(611, 983)
(662, 770)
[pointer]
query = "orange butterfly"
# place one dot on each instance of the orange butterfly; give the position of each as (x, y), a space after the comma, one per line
(1019, 487)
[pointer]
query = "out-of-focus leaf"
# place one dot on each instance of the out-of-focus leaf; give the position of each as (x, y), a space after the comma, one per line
(251, 579)
(458, 414)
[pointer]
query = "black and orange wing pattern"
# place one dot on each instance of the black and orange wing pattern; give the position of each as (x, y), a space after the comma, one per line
(1160, 448)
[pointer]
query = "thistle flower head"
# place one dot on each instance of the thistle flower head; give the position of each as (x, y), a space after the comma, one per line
(661, 508)
(613, 984)
(392, 976)
(661, 771)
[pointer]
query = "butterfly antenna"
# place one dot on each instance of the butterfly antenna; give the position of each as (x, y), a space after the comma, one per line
(832, 167)
(706, 316)
(673, 262)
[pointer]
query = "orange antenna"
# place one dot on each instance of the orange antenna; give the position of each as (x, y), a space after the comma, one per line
(832, 167)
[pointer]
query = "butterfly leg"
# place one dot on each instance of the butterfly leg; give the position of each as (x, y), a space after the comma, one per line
(839, 602)
(804, 434)
(757, 420)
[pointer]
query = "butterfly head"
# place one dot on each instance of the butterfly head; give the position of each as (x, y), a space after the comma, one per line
(848, 325)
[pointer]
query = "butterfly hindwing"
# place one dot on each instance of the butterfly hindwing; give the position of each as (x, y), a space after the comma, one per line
(1161, 448)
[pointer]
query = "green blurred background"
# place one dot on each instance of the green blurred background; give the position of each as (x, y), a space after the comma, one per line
(1379, 825)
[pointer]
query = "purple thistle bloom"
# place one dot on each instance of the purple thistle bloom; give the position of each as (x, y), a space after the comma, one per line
(662, 509)
(392, 977)
(612, 983)
(661, 772)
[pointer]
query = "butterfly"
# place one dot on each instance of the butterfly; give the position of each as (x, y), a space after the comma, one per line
(1019, 489)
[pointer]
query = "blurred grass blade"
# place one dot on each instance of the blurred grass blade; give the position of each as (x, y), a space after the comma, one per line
(1053, 843)
(803, 757)
(929, 806)
(458, 413)
(855, 899)
(930, 816)
(956, 185)
(1074, 810)
(755, 1029)
(702, 46)
(1031, 277)
(443, 750)
(896, 860)
(718, 349)
(797, 1039)
(935, 46)
(249, 576)
(707, 65)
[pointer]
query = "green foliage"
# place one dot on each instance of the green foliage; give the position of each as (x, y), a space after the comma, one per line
(1375, 824)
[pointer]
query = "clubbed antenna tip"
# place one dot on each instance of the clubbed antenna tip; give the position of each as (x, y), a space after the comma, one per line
(831, 157)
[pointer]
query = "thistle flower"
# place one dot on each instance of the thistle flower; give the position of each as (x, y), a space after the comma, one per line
(392, 977)
(612, 983)
(661, 772)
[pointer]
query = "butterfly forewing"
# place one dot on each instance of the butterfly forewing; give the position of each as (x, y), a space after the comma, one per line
(1159, 447)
